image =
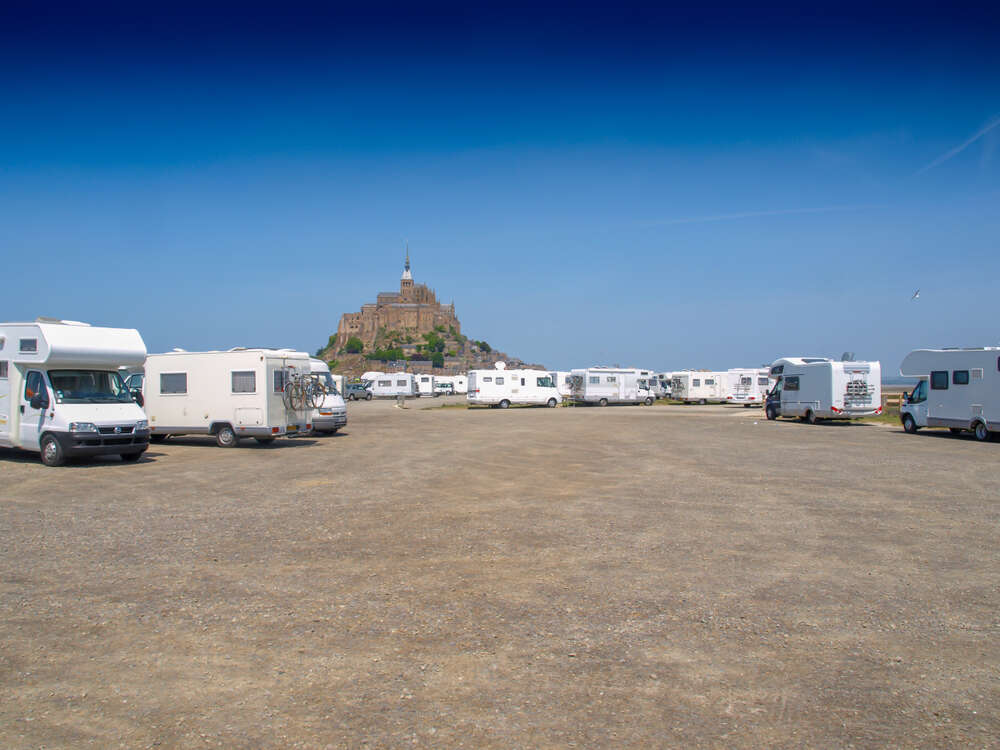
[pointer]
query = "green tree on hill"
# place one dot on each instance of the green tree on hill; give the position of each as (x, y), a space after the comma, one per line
(354, 345)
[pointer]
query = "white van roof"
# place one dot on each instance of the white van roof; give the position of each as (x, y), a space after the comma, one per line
(69, 343)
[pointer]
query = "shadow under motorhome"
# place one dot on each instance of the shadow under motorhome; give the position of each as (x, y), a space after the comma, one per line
(814, 388)
(61, 394)
(958, 389)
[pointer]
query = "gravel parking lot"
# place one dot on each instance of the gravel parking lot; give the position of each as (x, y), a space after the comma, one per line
(620, 577)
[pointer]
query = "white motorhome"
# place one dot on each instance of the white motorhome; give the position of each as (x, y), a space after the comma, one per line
(812, 388)
(229, 394)
(393, 384)
(666, 383)
(330, 413)
(748, 386)
(958, 389)
(502, 387)
(61, 394)
(700, 386)
(609, 385)
(461, 384)
(562, 380)
(425, 385)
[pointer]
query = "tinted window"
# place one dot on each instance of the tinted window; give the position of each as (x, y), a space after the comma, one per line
(399, 383)
(29, 345)
(696, 382)
(709, 381)
(173, 382)
(612, 379)
(487, 380)
(3, 369)
(792, 383)
(384, 383)
(499, 381)
(960, 377)
(594, 380)
(761, 381)
(781, 368)
(244, 381)
(34, 384)
(939, 380)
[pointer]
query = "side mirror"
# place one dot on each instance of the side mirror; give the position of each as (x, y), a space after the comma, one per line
(39, 401)
(137, 395)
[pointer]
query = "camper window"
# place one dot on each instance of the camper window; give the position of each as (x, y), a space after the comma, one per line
(499, 381)
(791, 383)
(401, 383)
(29, 345)
(522, 381)
(487, 380)
(545, 383)
(939, 380)
(173, 382)
(280, 380)
(696, 383)
(594, 380)
(244, 381)
(611, 379)
(3, 369)
(34, 384)
(385, 384)
(709, 381)
(777, 369)
(977, 373)
(960, 377)
(762, 381)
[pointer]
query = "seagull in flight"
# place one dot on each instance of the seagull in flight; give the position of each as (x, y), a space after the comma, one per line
(916, 295)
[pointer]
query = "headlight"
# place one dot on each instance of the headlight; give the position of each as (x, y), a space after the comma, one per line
(142, 424)
(82, 427)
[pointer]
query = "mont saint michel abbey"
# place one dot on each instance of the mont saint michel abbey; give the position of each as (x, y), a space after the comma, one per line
(413, 308)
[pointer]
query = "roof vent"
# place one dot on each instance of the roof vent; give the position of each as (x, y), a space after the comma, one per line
(847, 357)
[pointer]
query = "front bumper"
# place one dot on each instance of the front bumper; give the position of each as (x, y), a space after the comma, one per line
(327, 422)
(96, 444)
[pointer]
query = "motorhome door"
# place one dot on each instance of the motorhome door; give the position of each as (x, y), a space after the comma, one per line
(33, 418)
(6, 418)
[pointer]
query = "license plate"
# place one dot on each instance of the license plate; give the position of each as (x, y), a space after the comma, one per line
(292, 428)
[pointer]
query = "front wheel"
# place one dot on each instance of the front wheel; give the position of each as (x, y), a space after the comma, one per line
(983, 433)
(52, 452)
(771, 412)
(811, 417)
(368, 397)
(602, 402)
(226, 437)
(909, 425)
(551, 403)
(649, 402)
(504, 404)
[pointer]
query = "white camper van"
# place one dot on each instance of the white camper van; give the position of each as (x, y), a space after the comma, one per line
(461, 384)
(425, 385)
(562, 379)
(698, 386)
(330, 413)
(61, 394)
(229, 394)
(502, 387)
(812, 388)
(748, 386)
(958, 389)
(609, 385)
(392, 384)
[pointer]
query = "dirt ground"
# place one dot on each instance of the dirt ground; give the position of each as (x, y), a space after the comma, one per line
(603, 578)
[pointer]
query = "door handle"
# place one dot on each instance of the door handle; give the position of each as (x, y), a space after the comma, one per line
(22, 408)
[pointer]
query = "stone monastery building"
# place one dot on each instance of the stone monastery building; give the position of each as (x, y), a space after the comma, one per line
(414, 308)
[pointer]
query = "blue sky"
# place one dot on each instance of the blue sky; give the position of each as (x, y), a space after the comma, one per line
(629, 185)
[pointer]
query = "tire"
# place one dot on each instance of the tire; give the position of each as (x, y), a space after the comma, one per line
(264, 440)
(51, 452)
(702, 402)
(955, 430)
(648, 401)
(983, 433)
(551, 403)
(157, 438)
(352, 397)
(602, 402)
(368, 397)
(811, 417)
(909, 425)
(504, 404)
(225, 437)
(771, 412)
(130, 458)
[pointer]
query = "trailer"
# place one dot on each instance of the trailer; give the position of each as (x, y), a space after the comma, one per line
(609, 385)
(813, 388)
(228, 394)
(502, 387)
(330, 413)
(61, 393)
(958, 389)
(748, 386)
(393, 384)
(699, 386)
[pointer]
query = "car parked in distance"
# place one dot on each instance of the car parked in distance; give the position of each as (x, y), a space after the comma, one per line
(356, 391)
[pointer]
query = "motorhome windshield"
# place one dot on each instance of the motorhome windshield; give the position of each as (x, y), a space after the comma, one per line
(327, 379)
(88, 387)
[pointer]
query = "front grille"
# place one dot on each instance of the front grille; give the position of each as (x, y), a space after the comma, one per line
(122, 429)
